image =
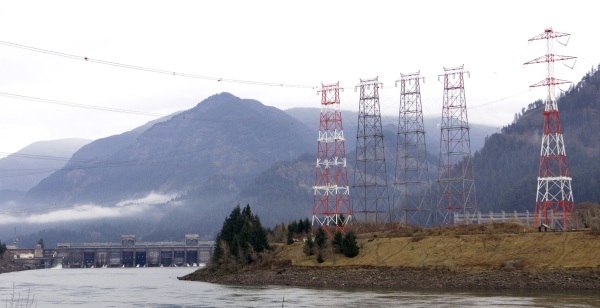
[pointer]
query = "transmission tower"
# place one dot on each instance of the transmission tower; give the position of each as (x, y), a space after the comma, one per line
(456, 183)
(411, 180)
(331, 207)
(370, 178)
(554, 181)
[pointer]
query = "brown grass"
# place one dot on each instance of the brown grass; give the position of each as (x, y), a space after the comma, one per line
(494, 246)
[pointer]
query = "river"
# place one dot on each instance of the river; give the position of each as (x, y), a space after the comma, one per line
(159, 287)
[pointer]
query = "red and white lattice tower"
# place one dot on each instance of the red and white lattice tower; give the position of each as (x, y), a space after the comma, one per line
(456, 183)
(554, 195)
(411, 180)
(332, 208)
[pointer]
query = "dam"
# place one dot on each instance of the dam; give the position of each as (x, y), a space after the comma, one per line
(131, 253)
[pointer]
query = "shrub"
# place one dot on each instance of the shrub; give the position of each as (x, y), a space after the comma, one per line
(320, 238)
(349, 246)
(290, 238)
(308, 246)
(589, 215)
(336, 242)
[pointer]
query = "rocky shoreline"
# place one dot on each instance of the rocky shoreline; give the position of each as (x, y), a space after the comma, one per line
(8, 265)
(397, 278)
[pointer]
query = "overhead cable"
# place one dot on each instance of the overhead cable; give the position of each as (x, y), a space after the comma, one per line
(153, 70)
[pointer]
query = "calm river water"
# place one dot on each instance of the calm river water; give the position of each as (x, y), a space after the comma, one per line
(159, 287)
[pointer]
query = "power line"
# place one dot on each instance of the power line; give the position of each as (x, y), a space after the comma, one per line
(63, 103)
(153, 70)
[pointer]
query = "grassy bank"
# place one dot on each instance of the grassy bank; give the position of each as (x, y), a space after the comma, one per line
(483, 257)
(453, 249)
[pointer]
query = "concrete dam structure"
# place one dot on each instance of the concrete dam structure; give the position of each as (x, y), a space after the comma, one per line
(130, 253)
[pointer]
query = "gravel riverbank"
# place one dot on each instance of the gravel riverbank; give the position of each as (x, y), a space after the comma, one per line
(409, 278)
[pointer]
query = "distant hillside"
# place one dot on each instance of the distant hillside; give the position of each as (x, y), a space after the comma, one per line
(24, 169)
(223, 137)
(310, 117)
(506, 167)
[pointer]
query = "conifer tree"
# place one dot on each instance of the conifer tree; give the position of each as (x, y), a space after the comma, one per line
(307, 226)
(242, 234)
(336, 242)
(349, 246)
(308, 246)
(320, 238)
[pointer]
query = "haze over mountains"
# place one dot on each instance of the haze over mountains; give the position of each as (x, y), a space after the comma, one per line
(24, 169)
(184, 173)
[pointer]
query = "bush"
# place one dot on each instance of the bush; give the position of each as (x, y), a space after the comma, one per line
(320, 258)
(336, 242)
(308, 246)
(349, 246)
(589, 215)
(320, 238)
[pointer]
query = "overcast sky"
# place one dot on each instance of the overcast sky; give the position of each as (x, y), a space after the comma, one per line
(290, 42)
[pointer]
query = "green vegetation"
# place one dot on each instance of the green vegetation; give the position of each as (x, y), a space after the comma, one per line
(321, 242)
(309, 246)
(240, 242)
(2, 248)
(349, 246)
(340, 244)
(336, 242)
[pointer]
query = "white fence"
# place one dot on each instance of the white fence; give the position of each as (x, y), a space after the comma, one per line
(526, 218)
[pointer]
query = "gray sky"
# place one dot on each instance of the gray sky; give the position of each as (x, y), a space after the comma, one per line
(291, 42)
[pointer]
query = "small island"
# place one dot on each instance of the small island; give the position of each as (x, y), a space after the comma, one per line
(487, 256)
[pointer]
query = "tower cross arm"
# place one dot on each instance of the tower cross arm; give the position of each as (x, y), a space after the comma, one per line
(549, 58)
(549, 81)
(548, 34)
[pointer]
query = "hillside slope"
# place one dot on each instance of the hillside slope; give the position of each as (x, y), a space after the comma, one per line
(25, 168)
(560, 250)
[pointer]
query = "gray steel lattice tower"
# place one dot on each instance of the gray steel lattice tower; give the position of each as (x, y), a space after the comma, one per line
(370, 178)
(456, 183)
(411, 180)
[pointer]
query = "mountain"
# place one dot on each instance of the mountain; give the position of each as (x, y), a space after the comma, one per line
(224, 139)
(227, 151)
(223, 152)
(24, 169)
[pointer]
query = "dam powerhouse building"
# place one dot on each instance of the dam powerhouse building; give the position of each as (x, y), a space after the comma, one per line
(127, 253)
